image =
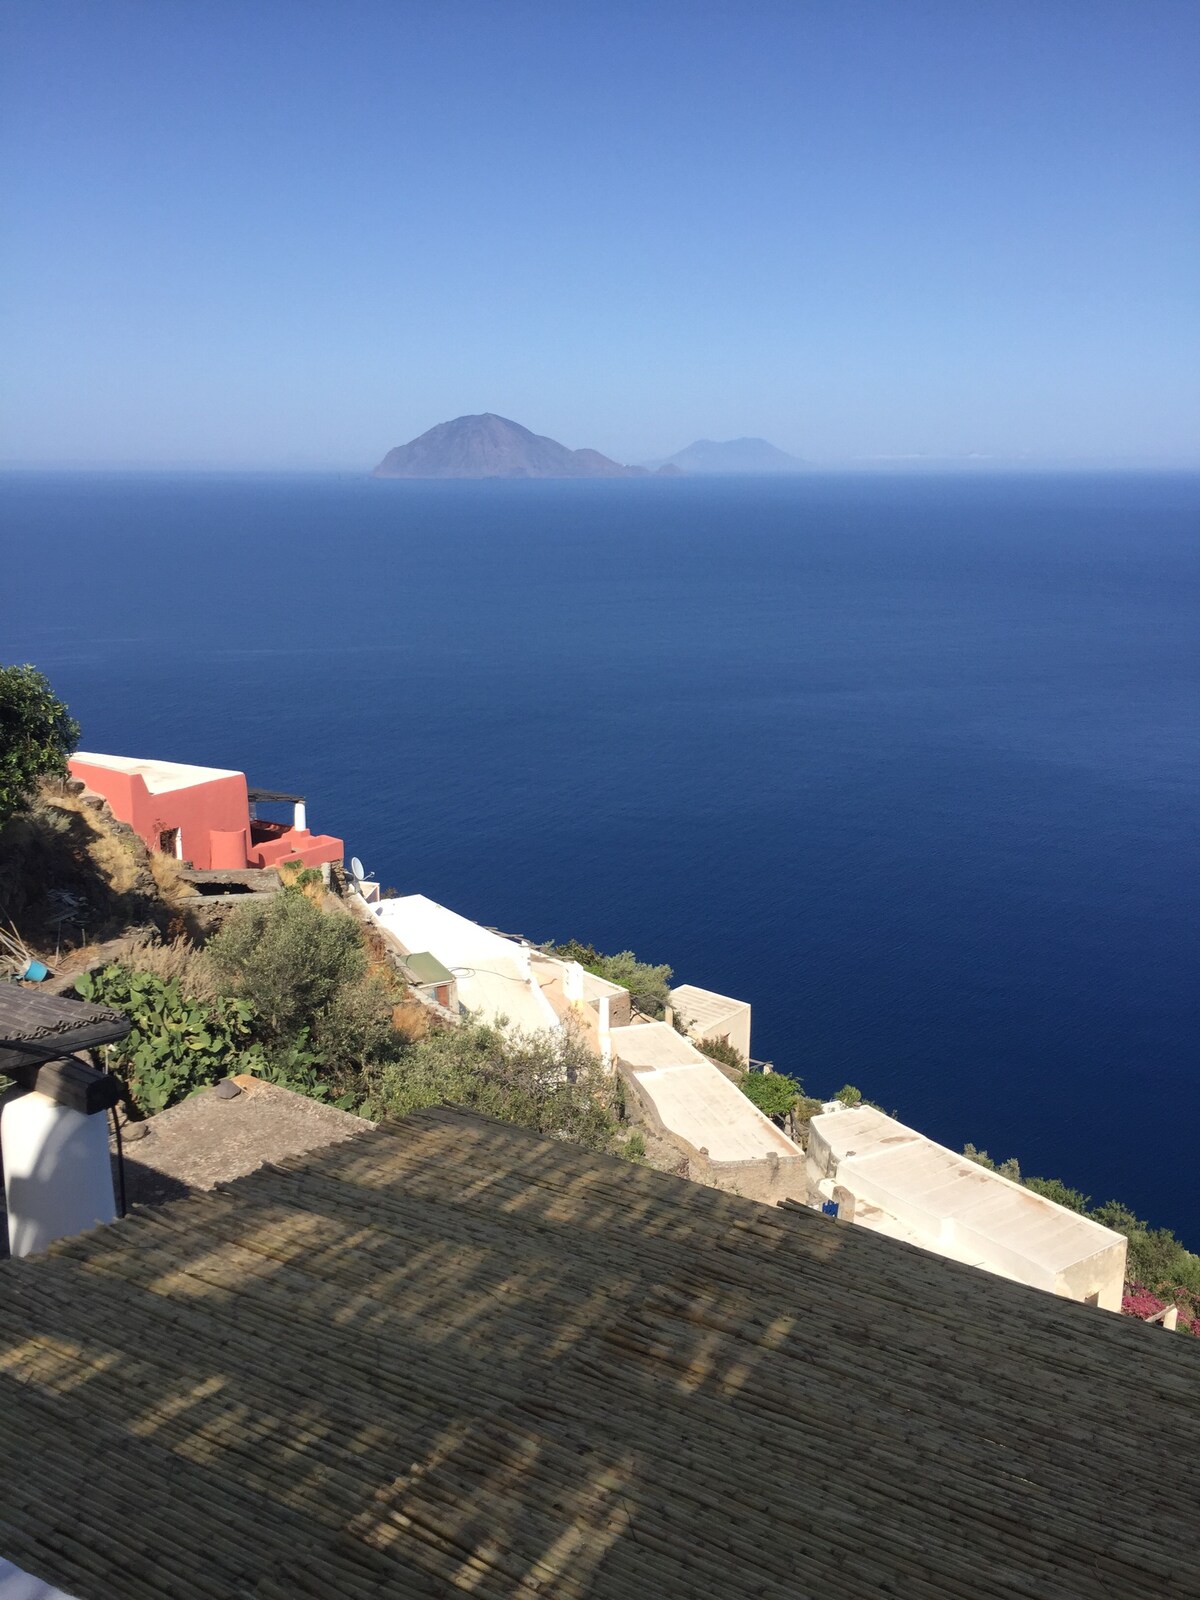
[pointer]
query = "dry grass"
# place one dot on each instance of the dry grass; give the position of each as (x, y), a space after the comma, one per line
(115, 861)
(115, 858)
(294, 874)
(169, 879)
(175, 959)
(411, 1019)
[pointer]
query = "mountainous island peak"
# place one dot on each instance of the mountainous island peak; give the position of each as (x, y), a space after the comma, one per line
(488, 446)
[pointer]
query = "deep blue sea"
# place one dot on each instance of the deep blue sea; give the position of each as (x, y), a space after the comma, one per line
(910, 763)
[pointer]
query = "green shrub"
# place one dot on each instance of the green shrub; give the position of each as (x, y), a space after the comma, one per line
(290, 960)
(634, 1148)
(1054, 1189)
(849, 1095)
(1115, 1215)
(176, 1045)
(549, 1082)
(37, 734)
(721, 1050)
(774, 1093)
(649, 986)
(805, 1109)
(354, 1032)
(1010, 1169)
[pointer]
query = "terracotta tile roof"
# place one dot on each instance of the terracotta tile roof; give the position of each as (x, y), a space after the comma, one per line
(449, 1357)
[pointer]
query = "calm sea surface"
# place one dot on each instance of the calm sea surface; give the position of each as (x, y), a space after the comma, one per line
(911, 764)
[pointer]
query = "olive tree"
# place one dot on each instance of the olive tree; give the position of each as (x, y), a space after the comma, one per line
(37, 734)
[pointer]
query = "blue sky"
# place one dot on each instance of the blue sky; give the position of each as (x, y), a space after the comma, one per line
(295, 234)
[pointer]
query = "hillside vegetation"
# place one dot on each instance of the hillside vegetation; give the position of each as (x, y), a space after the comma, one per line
(290, 991)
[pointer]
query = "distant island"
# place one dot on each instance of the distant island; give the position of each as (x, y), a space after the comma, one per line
(489, 446)
(731, 455)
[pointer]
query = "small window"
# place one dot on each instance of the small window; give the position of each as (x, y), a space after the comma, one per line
(168, 842)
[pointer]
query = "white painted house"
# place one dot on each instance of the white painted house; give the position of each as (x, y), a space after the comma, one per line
(708, 1016)
(497, 977)
(894, 1180)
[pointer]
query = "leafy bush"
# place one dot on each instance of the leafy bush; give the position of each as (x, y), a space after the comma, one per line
(37, 734)
(549, 1082)
(634, 1148)
(355, 1031)
(176, 1045)
(721, 1050)
(774, 1093)
(649, 986)
(1054, 1189)
(1010, 1169)
(849, 1095)
(289, 959)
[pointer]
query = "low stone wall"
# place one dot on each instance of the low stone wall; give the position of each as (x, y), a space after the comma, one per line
(773, 1179)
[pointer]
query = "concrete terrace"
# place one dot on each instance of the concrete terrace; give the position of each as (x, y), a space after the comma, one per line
(899, 1182)
(694, 1100)
(450, 1358)
(708, 1015)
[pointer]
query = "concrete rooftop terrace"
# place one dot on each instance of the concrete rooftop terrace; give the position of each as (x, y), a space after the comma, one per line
(704, 1008)
(493, 974)
(160, 777)
(696, 1100)
(450, 1358)
(935, 1182)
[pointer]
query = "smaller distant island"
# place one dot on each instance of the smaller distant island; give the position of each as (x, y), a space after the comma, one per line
(730, 455)
(489, 446)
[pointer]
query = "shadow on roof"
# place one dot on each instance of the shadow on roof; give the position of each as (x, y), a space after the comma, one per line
(448, 1356)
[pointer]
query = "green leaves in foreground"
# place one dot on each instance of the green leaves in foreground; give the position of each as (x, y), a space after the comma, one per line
(176, 1045)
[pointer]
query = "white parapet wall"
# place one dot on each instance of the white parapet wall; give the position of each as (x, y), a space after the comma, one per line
(893, 1179)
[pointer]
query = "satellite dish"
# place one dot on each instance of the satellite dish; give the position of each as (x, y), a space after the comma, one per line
(356, 867)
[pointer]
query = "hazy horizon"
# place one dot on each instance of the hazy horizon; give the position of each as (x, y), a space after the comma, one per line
(921, 237)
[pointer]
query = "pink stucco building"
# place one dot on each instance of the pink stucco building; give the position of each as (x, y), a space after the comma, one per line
(204, 815)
